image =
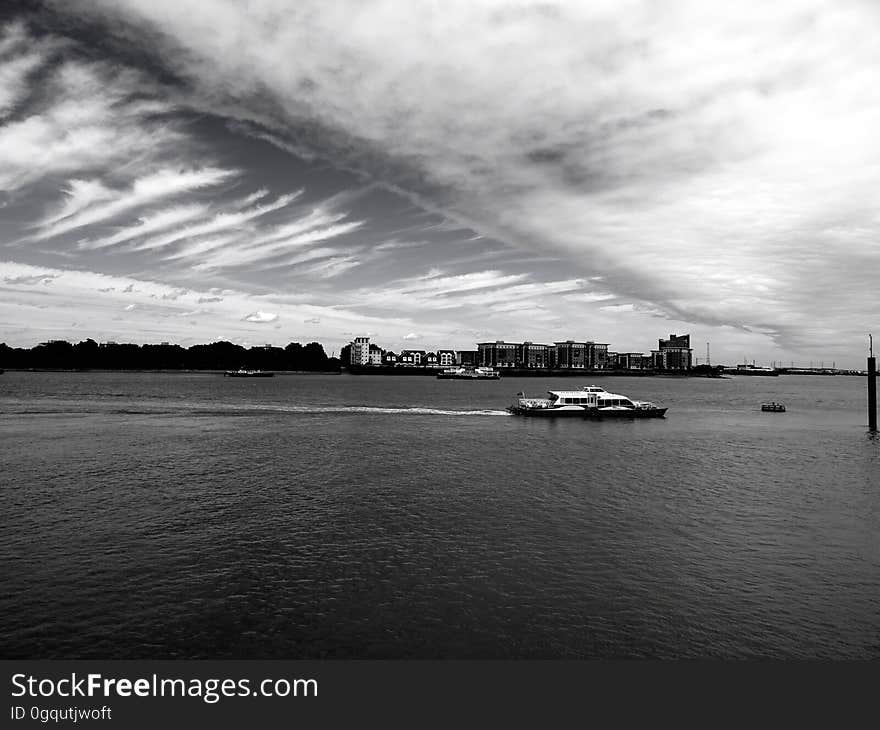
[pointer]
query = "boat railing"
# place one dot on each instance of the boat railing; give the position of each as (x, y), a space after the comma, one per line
(533, 403)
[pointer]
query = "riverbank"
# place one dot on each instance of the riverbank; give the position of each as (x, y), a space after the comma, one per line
(524, 372)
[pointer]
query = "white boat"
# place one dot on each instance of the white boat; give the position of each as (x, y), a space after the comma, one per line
(469, 374)
(590, 401)
(242, 373)
(746, 369)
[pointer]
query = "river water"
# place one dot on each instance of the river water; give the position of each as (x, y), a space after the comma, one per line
(172, 515)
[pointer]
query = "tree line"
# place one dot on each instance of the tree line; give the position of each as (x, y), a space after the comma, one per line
(89, 355)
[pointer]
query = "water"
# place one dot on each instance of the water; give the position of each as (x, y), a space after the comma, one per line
(305, 516)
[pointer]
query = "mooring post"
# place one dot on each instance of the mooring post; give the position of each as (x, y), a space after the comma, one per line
(872, 386)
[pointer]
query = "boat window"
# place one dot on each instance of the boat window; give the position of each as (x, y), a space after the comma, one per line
(627, 403)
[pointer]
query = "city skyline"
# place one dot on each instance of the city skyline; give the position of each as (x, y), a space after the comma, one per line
(442, 173)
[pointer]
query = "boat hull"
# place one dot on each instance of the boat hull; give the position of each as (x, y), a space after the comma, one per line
(591, 413)
(446, 376)
(627, 413)
(548, 412)
(249, 375)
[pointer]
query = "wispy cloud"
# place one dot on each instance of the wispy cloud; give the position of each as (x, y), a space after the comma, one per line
(90, 202)
(149, 224)
(221, 222)
(247, 254)
(88, 115)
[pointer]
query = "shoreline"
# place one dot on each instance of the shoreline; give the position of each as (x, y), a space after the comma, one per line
(180, 371)
(527, 372)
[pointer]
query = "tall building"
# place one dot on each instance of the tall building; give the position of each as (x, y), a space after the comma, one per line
(673, 354)
(360, 351)
(571, 354)
(597, 355)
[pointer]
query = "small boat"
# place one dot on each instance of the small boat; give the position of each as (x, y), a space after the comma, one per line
(589, 402)
(242, 373)
(469, 374)
(773, 407)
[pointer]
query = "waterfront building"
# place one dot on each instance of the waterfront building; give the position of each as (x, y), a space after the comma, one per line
(446, 358)
(375, 355)
(673, 354)
(533, 355)
(412, 357)
(627, 360)
(430, 360)
(389, 358)
(360, 351)
(498, 354)
(467, 358)
(597, 355)
(571, 354)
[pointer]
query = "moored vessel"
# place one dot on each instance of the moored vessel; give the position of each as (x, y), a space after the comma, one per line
(462, 373)
(591, 401)
(753, 369)
(773, 407)
(242, 373)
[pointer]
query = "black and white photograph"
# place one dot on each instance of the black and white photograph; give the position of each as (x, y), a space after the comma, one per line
(439, 330)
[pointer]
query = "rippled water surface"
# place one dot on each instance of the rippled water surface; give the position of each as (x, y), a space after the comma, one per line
(153, 515)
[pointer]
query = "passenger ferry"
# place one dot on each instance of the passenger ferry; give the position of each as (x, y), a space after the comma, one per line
(589, 402)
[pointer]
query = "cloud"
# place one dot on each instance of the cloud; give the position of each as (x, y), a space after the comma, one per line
(30, 279)
(102, 204)
(20, 57)
(148, 224)
(87, 115)
(260, 317)
(412, 336)
(589, 297)
(678, 154)
(219, 223)
(244, 254)
(438, 290)
(98, 299)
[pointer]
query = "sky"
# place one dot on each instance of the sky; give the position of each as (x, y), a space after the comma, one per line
(434, 174)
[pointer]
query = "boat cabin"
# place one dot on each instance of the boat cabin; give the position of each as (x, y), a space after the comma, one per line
(592, 396)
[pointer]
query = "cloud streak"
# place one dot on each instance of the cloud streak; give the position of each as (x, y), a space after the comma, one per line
(90, 203)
